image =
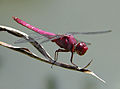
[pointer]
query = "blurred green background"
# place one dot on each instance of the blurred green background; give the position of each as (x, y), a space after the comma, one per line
(18, 71)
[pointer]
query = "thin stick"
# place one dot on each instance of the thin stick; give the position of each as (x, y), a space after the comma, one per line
(49, 59)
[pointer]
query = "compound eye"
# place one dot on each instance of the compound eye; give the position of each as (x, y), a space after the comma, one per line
(82, 44)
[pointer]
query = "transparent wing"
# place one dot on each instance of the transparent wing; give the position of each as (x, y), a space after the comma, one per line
(50, 38)
(53, 38)
(89, 33)
(24, 41)
(44, 37)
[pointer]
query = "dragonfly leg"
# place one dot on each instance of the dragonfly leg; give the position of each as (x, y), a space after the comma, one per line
(56, 54)
(71, 59)
(59, 50)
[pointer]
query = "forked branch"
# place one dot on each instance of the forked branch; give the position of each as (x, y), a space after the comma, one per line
(48, 59)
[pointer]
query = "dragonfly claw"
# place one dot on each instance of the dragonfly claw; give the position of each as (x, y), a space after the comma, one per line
(88, 64)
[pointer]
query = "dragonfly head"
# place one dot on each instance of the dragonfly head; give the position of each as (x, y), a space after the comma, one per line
(81, 48)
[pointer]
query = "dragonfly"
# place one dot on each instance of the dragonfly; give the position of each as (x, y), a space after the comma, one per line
(67, 42)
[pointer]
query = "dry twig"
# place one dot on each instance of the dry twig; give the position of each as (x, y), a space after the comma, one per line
(48, 59)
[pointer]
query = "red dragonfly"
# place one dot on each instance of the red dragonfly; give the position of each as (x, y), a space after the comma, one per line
(67, 41)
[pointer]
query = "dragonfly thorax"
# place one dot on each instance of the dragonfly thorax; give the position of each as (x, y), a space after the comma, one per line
(81, 48)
